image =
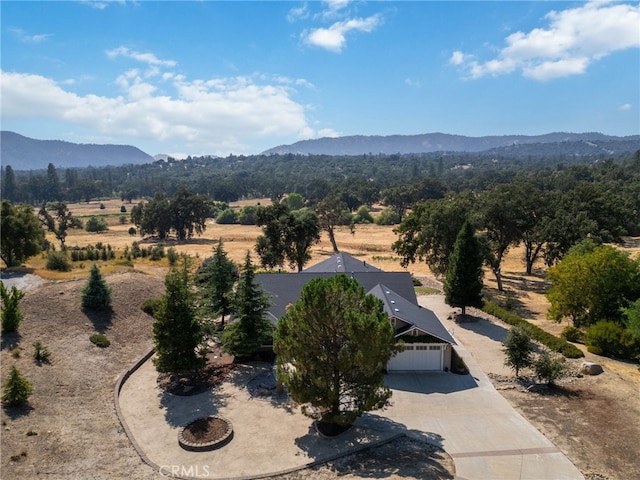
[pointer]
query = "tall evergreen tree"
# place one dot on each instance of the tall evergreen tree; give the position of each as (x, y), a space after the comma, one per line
(216, 278)
(252, 328)
(96, 294)
(176, 332)
(11, 314)
(17, 389)
(9, 184)
(463, 284)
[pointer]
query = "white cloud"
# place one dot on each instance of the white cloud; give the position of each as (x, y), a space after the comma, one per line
(26, 38)
(334, 37)
(298, 13)
(213, 116)
(327, 132)
(148, 58)
(625, 107)
(412, 83)
(333, 8)
(574, 39)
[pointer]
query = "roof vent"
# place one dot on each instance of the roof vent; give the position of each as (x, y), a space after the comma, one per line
(396, 310)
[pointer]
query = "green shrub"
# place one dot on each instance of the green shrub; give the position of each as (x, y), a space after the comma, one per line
(123, 219)
(123, 209)
(573, 334)
(132, 231)
(17, 389)
(227, 217)
(363, 215)
(172, 256)
(100, 340)
(150, 305)
(548, 368)
(612, 339)
(387, 217)
(41, 353)
(552, 342)
(58, 261)
(96, 224)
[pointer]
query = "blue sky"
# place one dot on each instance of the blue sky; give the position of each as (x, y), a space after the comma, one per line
(239, 77)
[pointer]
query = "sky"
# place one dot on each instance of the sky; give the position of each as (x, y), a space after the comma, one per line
(213, 77)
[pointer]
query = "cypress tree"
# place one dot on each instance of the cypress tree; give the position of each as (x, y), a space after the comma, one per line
(96, 294)
(176, 331)
(463, 284)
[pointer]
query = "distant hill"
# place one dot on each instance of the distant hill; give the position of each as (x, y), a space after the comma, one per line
(24, 153)
(551, 143)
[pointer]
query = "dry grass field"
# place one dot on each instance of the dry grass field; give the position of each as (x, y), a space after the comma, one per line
(595, 421)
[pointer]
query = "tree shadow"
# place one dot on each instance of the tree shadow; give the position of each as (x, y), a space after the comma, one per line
(15, 412)
(10, 340)
(101, 319)
(482, 326)
(436, 382)
(264, 387)
(377, 447)
(182, 410)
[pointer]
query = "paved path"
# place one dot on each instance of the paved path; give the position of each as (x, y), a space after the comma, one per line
(464, 414)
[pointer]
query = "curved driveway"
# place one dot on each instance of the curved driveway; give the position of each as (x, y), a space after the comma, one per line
(485, 436)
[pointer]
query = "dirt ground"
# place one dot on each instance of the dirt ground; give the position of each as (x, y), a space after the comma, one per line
(70, 429)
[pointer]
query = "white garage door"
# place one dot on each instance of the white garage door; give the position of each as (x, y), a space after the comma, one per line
(417, 357)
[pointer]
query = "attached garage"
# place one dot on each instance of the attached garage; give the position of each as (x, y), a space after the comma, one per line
(418, 357)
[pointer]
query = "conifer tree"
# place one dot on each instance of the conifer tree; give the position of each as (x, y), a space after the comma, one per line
(11, 313)
(176, 332)
(17, 389)
(96, 294)
(463, 284)
(252, 328)
(217, 278)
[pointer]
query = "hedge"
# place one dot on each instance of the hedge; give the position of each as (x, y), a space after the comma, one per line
(554, 343)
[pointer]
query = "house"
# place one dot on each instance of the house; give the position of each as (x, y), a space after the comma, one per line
(427, 343)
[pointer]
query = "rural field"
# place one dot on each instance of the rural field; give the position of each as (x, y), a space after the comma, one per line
(71, 430)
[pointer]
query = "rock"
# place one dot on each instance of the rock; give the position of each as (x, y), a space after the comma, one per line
(591, 368)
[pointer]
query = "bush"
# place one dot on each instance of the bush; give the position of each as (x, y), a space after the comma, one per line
(549, 368)
(552, 342)
(247, 215)
(100, 340)
(172, 256)
(132, 231)
(58, 261)
(123, 209)
(150, 306)
(573, 334)
(227, 217)
(387, 217)
(518, 349)
(96, 224)
(11, 314)
(17, 389)
(611, 339)
(123, 219)
(363, 215)
(41, 353)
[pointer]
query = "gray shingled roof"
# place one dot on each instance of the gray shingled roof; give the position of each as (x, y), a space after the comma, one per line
(285, 288)
(397, 306)
(342, 263)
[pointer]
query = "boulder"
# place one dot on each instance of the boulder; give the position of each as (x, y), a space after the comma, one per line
(591, 368)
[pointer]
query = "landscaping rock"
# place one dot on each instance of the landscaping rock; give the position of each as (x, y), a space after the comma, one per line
(591, 368)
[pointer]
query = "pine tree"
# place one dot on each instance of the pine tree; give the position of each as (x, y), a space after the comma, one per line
(17, 389)
(217, 278)
(176, 332)
(463, 284)
(96, 294)
(252, 328)
(11, 313)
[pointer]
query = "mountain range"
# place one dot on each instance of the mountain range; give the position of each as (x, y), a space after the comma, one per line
(561, 142)
(24, 153)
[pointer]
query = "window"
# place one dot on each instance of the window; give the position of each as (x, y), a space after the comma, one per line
(434, 347)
